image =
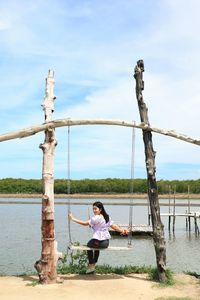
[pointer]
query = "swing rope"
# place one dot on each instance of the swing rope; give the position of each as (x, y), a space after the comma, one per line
(130, 225)
(68, 186)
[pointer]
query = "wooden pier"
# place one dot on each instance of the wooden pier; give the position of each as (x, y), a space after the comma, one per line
(188, 217)
(172, 214)
(142, 229)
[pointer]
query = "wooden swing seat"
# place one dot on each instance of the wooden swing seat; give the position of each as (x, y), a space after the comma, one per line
(111, 248)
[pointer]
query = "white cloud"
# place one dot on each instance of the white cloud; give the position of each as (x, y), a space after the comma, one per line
(4, 25)
(95, 45)
(116, 101)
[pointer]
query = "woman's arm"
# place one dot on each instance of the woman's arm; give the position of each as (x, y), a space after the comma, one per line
(119, 229)
(84, 223)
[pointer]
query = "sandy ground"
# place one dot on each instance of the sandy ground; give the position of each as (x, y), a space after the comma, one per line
(96, 287)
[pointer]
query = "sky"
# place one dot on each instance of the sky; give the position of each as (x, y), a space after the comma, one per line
(93, 47)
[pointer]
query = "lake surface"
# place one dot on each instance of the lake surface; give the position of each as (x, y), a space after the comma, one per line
(20, 234)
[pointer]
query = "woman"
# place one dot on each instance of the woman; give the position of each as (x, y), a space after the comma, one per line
(100, 224)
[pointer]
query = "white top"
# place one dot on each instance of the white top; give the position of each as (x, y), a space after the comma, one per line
(100, 227)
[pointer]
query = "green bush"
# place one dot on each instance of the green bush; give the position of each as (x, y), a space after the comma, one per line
(108, 185)
(73, 263)
(77, 264)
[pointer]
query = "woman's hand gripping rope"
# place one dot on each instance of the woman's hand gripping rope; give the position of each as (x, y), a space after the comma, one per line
(80, 222)
(125, 232)
(70, 216)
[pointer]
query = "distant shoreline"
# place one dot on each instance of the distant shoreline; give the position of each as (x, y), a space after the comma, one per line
(102, 195)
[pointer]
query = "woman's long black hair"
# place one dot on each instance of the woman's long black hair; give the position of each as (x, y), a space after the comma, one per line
(103, 212)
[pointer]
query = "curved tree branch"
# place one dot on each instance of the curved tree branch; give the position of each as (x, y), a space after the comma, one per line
(69, 122)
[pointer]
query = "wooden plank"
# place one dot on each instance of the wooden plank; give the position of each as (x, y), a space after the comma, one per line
(136, 229)
(110, 248)
(181, 214)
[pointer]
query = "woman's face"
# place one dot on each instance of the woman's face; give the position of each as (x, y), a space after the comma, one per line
(96, 210)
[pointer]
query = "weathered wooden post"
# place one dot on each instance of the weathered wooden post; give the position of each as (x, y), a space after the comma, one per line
(195, 224)
(169, 219)
(174, 209)
(46, 266)
(158, 232)
(187, 217)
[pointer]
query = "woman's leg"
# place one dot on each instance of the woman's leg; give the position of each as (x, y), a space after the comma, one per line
(90, 253)
(102, 245)
(92, 244)
(90, 257)
(96, 256)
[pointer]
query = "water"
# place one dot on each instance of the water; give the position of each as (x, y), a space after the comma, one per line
(20, 235)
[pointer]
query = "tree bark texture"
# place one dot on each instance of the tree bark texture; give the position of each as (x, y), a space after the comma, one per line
(69, 122)
(158, 228)
(46, 266)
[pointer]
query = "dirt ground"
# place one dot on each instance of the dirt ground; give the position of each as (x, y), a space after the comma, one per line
(96, 287)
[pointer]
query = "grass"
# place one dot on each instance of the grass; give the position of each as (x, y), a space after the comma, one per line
(121, 270)
(153, 275)
(33, 283)
(104, 269)
(77, 264)
(127, 269)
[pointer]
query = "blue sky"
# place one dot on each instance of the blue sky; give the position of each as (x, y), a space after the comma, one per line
(93, 47)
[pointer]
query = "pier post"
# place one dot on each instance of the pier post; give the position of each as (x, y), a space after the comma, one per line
(189, 219)
(174, 220)
(195, 224)
(189, 222)
(169, 209)
(186, 220)
(149, 214)
(169, 223)
(174, 209)
(188, 199)
(149, 219)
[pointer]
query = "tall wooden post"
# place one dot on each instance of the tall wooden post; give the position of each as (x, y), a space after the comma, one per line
(46, 266)
(158, 232)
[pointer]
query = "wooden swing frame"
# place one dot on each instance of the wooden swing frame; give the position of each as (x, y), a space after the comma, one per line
(47, 264)
(84, 247)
